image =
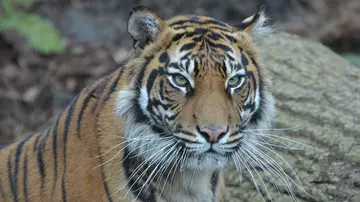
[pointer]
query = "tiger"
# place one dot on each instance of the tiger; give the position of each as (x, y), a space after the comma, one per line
(162, 127)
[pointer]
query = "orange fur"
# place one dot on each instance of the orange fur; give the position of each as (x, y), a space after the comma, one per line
(75, 153)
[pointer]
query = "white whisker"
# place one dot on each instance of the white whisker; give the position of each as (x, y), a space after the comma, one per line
(298, 184)
(273, 137)
(245, 163)
(277, 171)
(257, 173)
(274, 129)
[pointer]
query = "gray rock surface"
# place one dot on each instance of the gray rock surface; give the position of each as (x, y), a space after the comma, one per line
(318, 100)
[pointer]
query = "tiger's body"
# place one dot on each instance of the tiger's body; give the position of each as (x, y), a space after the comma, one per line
(160, 128)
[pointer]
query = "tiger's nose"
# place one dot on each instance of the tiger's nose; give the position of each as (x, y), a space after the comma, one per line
(212, 133)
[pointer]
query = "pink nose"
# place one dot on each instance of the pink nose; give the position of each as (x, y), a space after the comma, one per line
(212, 133)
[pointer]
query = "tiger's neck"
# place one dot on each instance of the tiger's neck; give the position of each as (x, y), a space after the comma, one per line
(169, 183)
(192, 185)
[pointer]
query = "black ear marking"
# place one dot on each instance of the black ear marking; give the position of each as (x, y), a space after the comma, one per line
(144, 25)
(255, 24)
(252, 19)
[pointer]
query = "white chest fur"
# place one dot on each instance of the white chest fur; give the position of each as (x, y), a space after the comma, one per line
(190, 186)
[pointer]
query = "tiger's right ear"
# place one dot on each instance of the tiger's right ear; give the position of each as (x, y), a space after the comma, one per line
(144, 26)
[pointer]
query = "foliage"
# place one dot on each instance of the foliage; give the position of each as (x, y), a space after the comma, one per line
(40, 34)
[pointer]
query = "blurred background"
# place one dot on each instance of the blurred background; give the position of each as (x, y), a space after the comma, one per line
(51, 49)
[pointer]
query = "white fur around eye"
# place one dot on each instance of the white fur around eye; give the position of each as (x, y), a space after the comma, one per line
(180, 80)
(235, 81)
(182, 88)
(238, 84)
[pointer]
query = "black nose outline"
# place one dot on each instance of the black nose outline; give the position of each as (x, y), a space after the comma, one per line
(207, 136)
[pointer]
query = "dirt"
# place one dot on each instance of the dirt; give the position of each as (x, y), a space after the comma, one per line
(34, 88)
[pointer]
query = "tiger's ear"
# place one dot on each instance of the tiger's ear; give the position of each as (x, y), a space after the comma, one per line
(255, 24)
(144, 25)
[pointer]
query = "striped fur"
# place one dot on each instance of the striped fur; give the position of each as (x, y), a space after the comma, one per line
(134, 135)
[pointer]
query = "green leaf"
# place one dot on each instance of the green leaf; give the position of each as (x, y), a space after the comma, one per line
(25, 3)
(40, 34)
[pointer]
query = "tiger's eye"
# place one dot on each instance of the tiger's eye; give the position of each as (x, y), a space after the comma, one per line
(180, 80)
(234, 81)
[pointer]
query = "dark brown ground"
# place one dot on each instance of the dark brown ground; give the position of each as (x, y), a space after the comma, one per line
(34, 88)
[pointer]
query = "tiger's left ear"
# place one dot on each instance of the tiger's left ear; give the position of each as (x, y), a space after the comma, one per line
(144, 26)
(255, 24)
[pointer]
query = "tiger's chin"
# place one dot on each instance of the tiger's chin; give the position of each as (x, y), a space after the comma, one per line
(207, 161)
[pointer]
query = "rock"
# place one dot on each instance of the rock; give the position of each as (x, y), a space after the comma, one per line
(354, 58)
(318, 101)
(31, 94)
(334, 23)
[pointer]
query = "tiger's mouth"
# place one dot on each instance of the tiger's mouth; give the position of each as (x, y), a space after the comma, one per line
(197, 145)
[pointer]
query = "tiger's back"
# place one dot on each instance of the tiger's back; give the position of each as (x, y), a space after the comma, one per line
(57, 164)
(148, 132)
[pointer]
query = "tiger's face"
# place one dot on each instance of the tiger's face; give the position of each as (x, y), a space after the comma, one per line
(197, 90)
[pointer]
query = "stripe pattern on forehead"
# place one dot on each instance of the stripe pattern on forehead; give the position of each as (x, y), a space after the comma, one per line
(183, 22)
(200, 26)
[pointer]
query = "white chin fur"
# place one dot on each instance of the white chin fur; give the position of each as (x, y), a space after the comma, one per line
(207, 161)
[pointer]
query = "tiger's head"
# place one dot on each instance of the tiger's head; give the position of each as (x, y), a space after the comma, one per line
(193, 89)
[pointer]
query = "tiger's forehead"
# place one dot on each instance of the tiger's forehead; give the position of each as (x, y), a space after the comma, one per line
(205, 43)
(186, 22)
(202, 35)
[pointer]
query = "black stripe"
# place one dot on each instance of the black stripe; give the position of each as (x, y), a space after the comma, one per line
(25, 178)
(214, 22)
(187, 132)
(231, 58)
(258, 115)
(174, 65)
(113, 85)
(130, 162)
(214, 182)
(221, 46)
(186, 140)
(40, 160)
(101, 86)
(215, 36)
(187, 46)
(230, 38)
(245, 25)
(36, 142)
(108, 196)
(163, 92)
(213, 28)
(164, 57)
(140, 116)
(177, 37)
(66, 133)
(54, 150)
(17, 161)
(251, 106)
(10, 176)
(154, 73)
(244, 60)
(2, 193)
(82, 110)
(221, 29)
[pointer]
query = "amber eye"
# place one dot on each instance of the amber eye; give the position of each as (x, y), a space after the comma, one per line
(179, 80)
(234, 81)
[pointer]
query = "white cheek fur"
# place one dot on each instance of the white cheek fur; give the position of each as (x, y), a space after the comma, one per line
(143, 99)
